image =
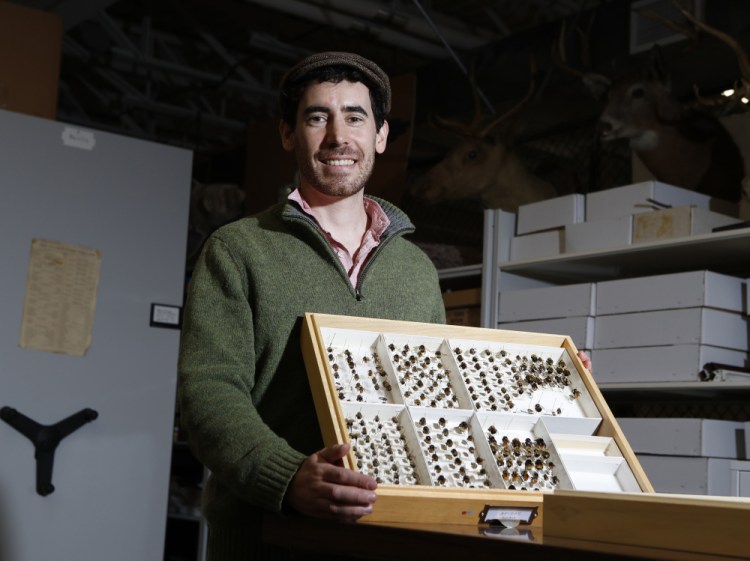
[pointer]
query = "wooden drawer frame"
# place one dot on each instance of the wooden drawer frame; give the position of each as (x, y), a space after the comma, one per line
(435, 504)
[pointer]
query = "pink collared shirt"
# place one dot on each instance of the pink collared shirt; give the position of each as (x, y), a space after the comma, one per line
(377, 222)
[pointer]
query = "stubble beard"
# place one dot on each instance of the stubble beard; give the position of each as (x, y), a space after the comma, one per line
(333, 185)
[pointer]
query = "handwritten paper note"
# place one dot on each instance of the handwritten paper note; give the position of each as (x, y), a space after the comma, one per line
(58, 311)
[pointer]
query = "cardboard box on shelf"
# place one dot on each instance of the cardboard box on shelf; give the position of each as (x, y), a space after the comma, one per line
(463, 307)
(593, 235)
(580, 329)
(640, 197)
(685, 437)
(30, 53)
(676, 290)
(676, 222)
(550, 213)
(537, 245)
(670, 363)
(700, 326)
(547, 302)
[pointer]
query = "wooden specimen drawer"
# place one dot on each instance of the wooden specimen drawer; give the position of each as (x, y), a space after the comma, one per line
(462, 424)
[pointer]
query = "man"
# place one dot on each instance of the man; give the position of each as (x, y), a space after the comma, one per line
(244, 397)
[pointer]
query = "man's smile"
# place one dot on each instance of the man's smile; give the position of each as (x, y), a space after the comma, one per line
(338, 162)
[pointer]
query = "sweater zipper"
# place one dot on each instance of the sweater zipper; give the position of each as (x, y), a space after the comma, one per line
(363, 271)
(319, 234)
(357, 289)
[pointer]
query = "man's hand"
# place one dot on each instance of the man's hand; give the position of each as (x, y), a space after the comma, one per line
(323, 488)
(585, 360)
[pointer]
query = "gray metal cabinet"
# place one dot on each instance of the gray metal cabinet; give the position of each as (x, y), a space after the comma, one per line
(128, 200)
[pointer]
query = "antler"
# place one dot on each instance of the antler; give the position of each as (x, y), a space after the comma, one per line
(597, 84)
(742, 86)
(472, 128)
(518, 106)
(476, 129)
(741, 91)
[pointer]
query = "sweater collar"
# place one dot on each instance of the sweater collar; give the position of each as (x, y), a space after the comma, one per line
(400, 223)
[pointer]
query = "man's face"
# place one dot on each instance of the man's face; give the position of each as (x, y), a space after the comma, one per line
(335, 140)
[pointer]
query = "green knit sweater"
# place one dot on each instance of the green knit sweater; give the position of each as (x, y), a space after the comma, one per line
(244, 397)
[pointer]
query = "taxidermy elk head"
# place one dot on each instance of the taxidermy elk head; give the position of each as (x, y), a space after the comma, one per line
(678, 143)
(482, 166)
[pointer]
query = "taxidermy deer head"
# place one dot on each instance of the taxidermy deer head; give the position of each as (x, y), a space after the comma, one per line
(678, 143)
(482, 166)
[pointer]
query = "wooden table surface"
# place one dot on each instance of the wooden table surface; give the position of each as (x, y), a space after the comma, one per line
(432, 542)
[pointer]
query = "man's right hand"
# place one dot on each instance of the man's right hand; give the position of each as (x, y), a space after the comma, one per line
(323, 488)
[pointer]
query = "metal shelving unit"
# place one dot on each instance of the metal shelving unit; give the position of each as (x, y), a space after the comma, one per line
(725, 252)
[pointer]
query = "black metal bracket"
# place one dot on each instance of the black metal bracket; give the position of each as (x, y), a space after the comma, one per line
(45, 439)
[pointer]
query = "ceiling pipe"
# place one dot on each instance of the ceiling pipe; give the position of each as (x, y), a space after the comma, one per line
(379, 33)
(457, 34)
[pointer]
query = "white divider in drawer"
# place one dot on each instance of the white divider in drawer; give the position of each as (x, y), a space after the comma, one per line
(594, 463)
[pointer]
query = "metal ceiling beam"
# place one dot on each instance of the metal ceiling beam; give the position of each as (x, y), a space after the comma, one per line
(456, 33)
(184, 113)
(123, 55)
(376, 32)
(227, 57)
(72, 12)
(270, 44)
(115, 32)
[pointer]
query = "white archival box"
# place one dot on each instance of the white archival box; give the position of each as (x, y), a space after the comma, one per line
(547, 302)
(669, 363)
(702, 326)
(599, 234)
(739, 474)
(534, 246)
(688, 475)
(551, 213)
(676, 290)
(677, 222)
(635, 198)
(685, 437)
(580, 329)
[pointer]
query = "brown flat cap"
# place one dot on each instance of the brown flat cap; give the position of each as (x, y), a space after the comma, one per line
(318, 60)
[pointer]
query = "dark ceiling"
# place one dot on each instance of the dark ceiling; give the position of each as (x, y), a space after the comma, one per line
(194, 73)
